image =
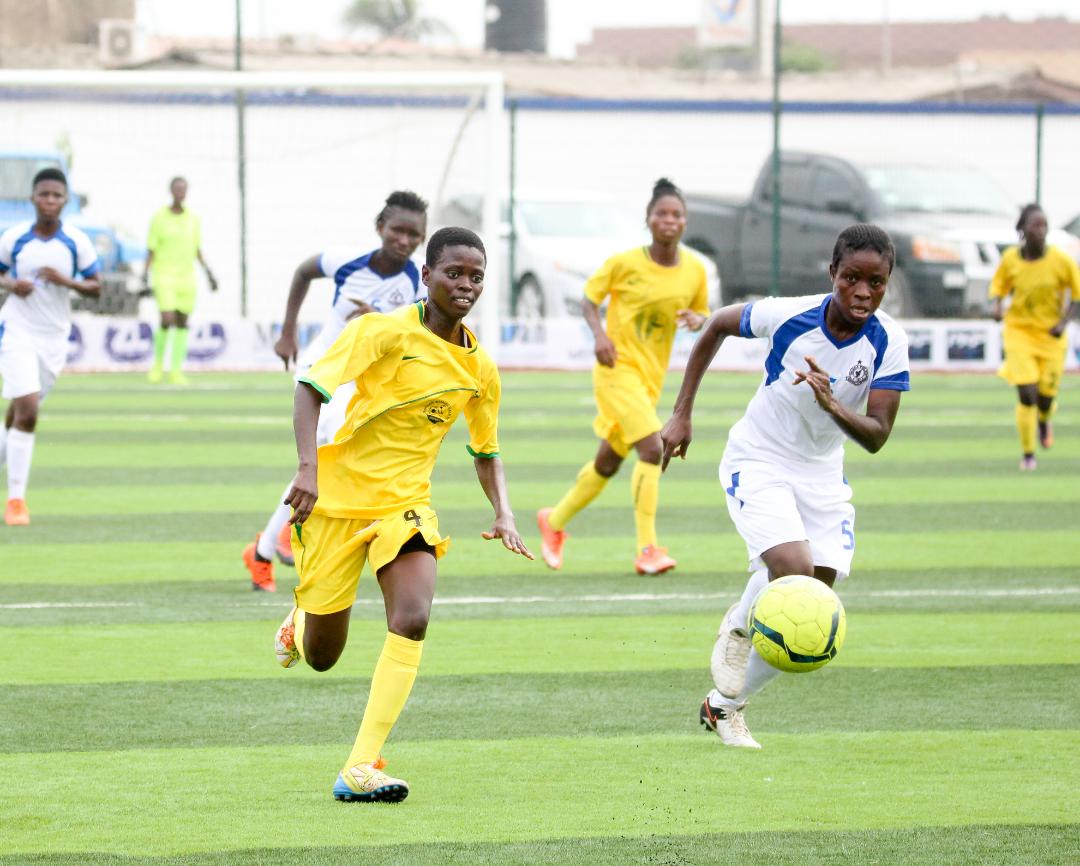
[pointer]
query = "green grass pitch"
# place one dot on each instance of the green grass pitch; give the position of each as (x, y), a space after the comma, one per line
(143, 719)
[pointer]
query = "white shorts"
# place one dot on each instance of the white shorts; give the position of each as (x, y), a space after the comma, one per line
(29, 362)
(771, 505)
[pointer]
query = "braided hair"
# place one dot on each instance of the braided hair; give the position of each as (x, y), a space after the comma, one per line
(663, 187)
(404, 199)
(864, 236)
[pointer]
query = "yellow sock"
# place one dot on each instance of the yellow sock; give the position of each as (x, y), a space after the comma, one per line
(645, 484)
(1026, 418)
(299, 620)
(587, 487)
(390, 687)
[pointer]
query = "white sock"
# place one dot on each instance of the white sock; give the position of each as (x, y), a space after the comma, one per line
(739, 615)
(20, 451)
(3, 445)
(759, 673)
(268, 540)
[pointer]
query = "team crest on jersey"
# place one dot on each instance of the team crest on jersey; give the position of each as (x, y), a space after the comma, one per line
(858, 374)
(437, 411)
(397, 299)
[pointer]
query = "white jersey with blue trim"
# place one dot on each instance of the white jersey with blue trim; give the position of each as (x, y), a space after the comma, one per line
(47, 309)
(355, 281)
(784, 420)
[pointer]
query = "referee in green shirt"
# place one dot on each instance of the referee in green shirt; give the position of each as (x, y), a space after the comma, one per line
(173, 249)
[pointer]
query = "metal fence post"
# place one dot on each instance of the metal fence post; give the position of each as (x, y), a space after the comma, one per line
(774, 281)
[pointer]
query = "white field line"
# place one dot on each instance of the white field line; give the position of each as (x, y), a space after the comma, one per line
(466, 600)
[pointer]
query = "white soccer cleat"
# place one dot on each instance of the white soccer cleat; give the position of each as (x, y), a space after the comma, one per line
(730, 656)
(728, 724)
(285, 642)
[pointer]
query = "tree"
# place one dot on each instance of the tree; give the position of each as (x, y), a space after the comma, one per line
(392, 18)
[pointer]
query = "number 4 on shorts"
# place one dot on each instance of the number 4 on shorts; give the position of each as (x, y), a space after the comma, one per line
(413, 516)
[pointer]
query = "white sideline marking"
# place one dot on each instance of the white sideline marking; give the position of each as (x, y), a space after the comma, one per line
(1028, 592)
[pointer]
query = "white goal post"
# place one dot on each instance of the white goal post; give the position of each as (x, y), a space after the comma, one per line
(424, 89)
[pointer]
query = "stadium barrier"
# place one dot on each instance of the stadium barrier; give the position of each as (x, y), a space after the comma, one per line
(103, 343)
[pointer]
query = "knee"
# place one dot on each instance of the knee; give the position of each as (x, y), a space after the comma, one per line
(1028, 395)
(321, 660)
(25, 418)
(792, 565)
(411, 624)
(607, 465)
(649, 451)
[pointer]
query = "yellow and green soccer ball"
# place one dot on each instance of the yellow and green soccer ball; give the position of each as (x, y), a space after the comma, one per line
(797, 623)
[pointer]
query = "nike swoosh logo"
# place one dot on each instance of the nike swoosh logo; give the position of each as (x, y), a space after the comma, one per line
(409, 357)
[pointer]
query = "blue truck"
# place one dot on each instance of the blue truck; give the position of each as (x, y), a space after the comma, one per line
(119, 258)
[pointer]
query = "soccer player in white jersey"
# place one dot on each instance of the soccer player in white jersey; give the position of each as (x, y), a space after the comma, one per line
(41, 263)
(782, 470)
(380, 280)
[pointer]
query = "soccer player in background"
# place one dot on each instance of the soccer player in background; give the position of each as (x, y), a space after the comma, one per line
(374, 281)
(173, 247)
(41, 263)
(367, 495)
(782, 469)
(653, 290)
(1041, 283)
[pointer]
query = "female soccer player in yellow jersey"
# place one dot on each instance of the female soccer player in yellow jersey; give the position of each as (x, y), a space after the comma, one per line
(1041, 283)
(366, 496)
(652, 291)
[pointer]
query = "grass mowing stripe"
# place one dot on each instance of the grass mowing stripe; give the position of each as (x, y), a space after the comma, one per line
(474, 596)
(965, 845)
(112, 801)
(244, 713)
(238, 650)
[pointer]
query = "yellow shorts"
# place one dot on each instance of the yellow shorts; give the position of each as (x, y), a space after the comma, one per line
(171, 297)
(1032, 358)
(330, 552)
(625, 414)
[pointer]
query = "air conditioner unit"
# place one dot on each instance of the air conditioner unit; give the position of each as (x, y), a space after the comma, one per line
(119, 42)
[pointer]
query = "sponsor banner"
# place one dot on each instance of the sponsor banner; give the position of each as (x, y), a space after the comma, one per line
(106, 343)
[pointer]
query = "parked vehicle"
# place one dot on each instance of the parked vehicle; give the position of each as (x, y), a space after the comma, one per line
(949, 225)
(560, 241)
(117, 255)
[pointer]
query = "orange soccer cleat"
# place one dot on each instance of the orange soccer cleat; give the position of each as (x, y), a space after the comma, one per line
(283, 547)
(551, 540)
(261, 570)
(653, 560)
(17, 514)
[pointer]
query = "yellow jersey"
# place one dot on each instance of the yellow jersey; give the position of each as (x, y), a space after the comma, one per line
(641, 320)
(1037, 287)
(174, 240)
(411, 386)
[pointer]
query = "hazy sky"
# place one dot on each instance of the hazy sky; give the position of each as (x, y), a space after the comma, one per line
(569, 21)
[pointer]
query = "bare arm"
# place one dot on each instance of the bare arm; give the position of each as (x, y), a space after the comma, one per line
(89, 286)
(21, 286)
(210, 278)
(678, 432)
(286, 346)
(604, 348)
(489, 470)
(307, 403)
(146, 268)
(870, 430)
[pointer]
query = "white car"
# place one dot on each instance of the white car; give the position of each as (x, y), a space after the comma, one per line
(560, 242)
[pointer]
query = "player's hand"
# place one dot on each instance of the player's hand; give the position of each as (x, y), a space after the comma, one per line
(1058, 329)
(286, 347)
(690, 320)
(361, 309)
(51, 275)
(302, 494)
(504, 529)
(605, 350)
(818, 380)
(21, 287)
(675, 437)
